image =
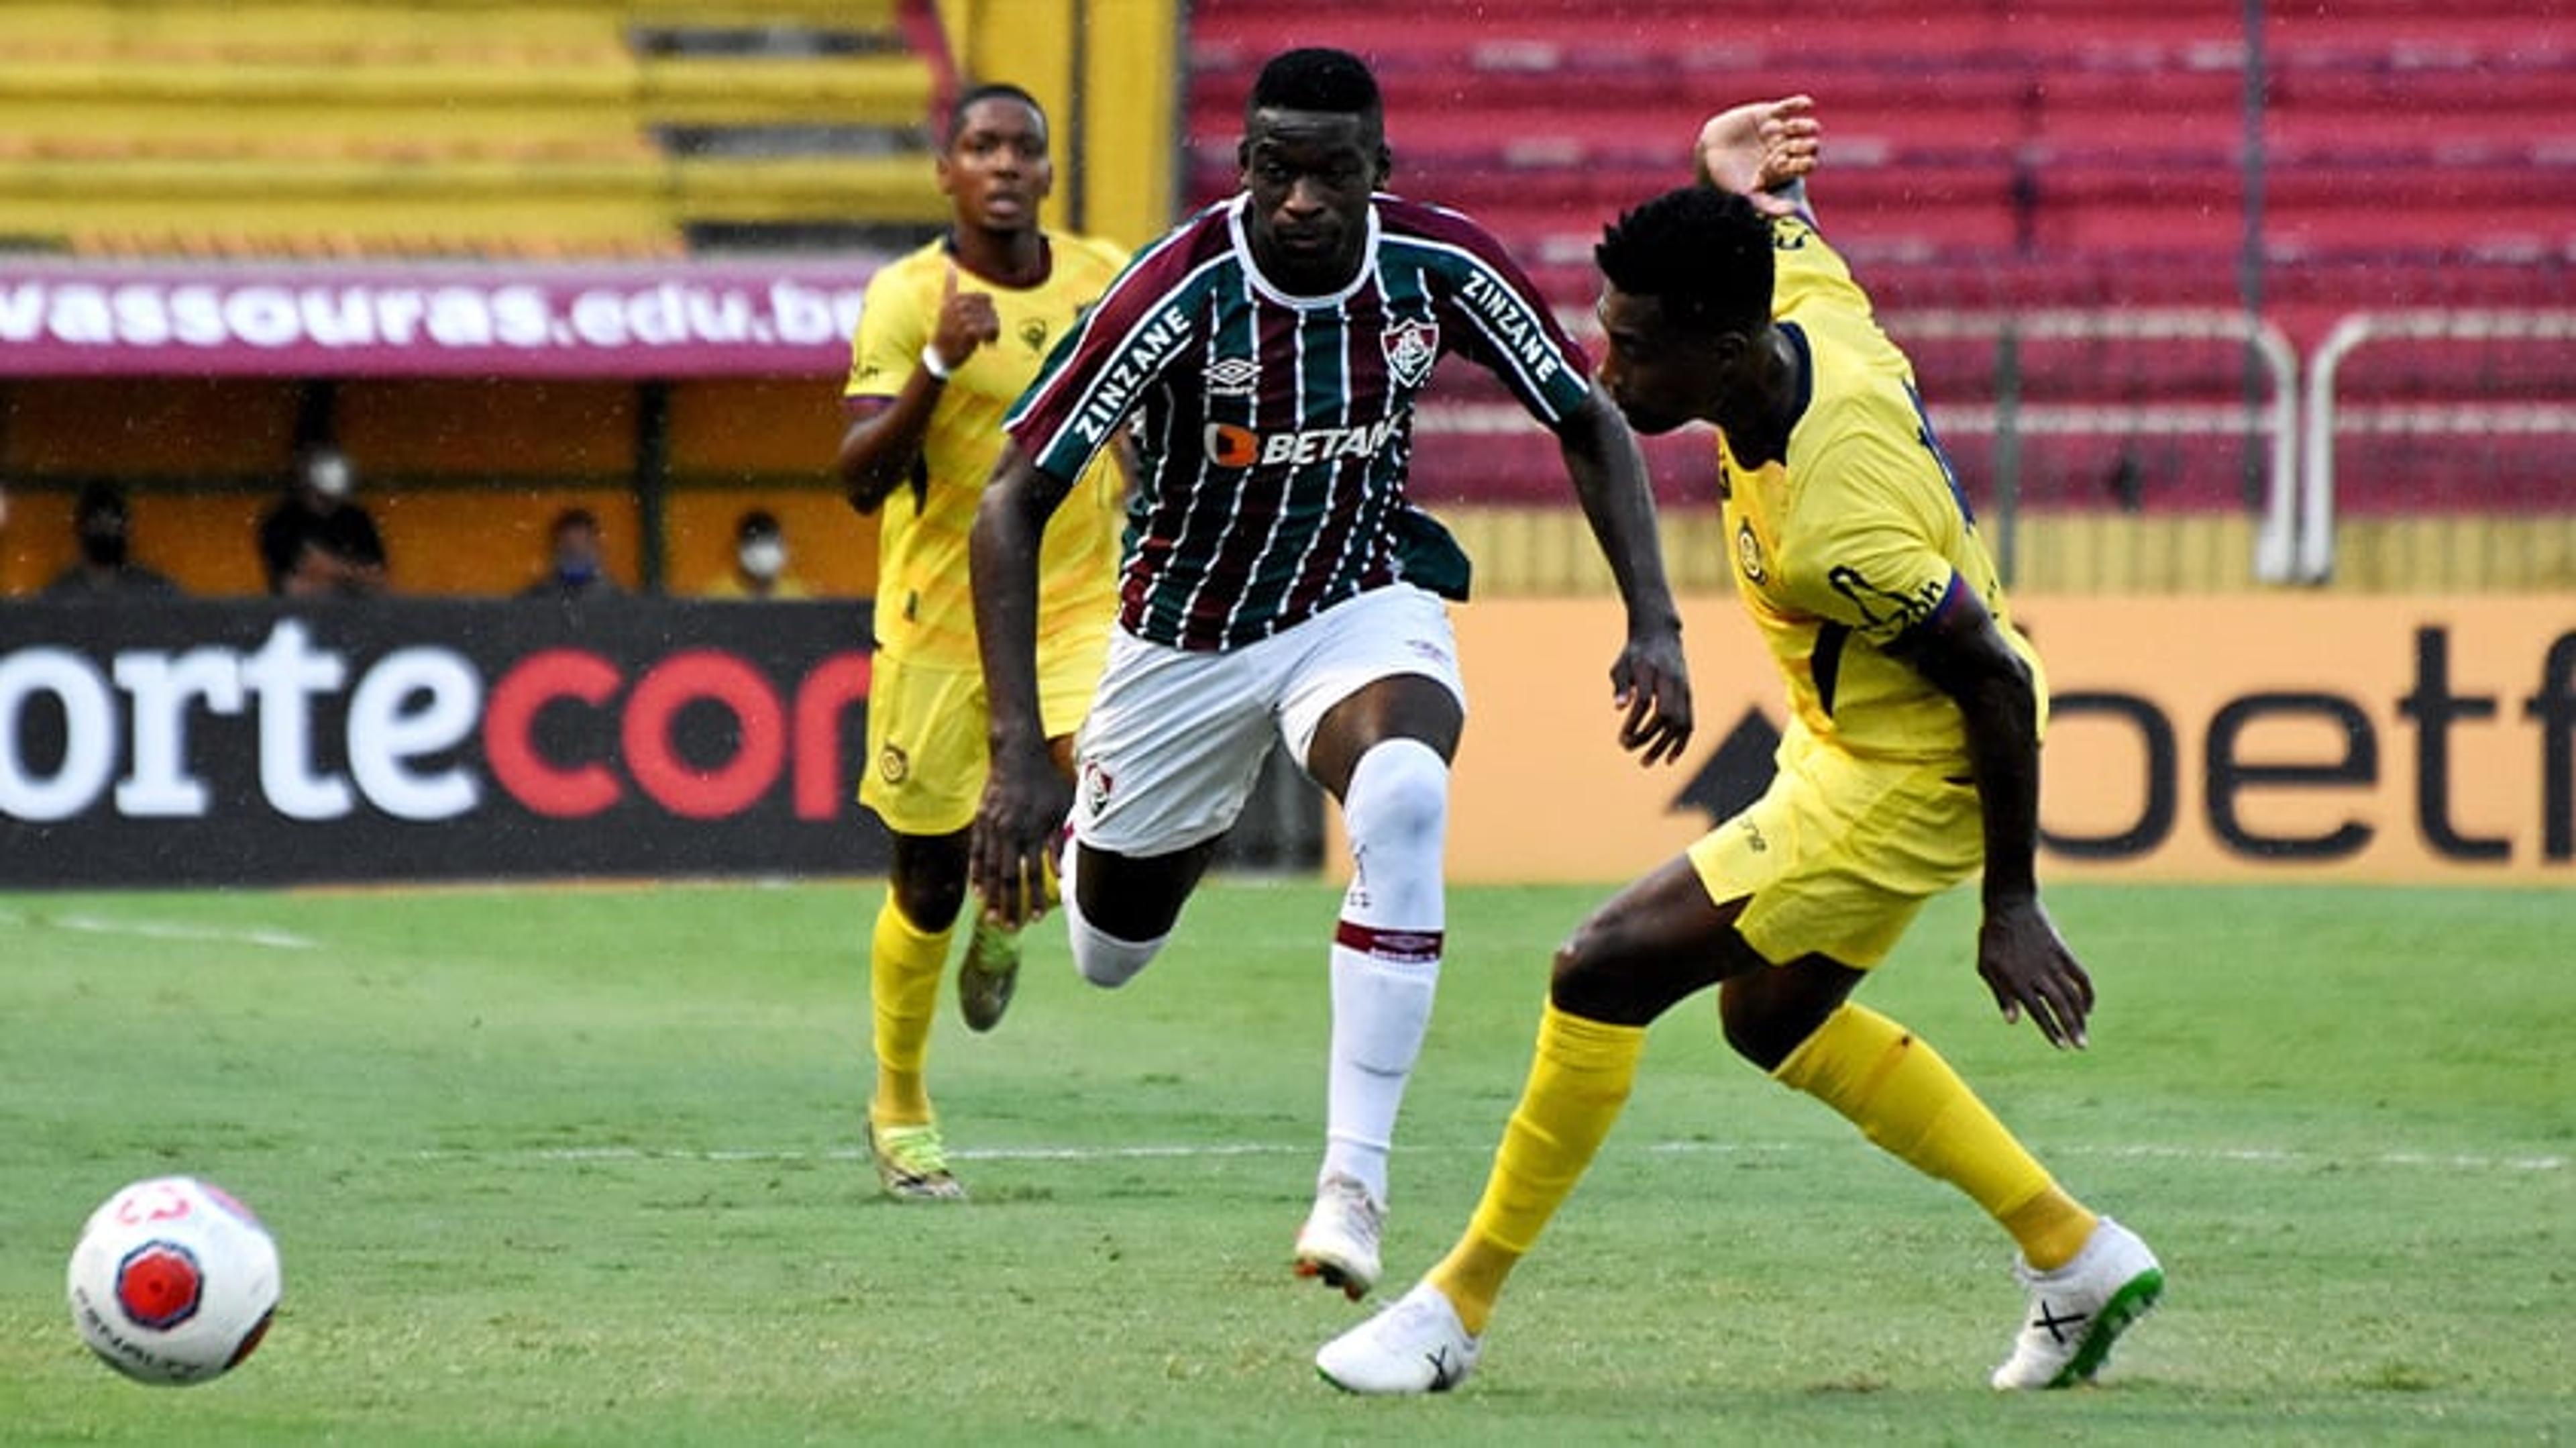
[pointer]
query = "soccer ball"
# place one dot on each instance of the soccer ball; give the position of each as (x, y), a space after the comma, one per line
(173, 1281)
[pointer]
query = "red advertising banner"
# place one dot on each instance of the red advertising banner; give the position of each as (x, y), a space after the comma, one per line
(304, 319)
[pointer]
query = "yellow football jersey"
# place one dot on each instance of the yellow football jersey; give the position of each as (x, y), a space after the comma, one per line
(924, 608)
(1861, 531)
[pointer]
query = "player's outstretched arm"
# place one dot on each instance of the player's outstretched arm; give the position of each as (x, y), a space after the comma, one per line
(1763, 150)
(1025, 796)
(2019, 952)
(1650, 682)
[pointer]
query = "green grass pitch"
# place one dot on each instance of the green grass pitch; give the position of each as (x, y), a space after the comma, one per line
(580, 1166)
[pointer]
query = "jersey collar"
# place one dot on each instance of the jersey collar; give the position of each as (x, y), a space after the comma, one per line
(1271, 292)
(1806, 351)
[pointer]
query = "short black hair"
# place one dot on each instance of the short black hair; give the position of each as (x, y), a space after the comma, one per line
(1704, 253)
(571, 518)
(1316, 78)
(992, 90)
(98, 499)
(758, 523)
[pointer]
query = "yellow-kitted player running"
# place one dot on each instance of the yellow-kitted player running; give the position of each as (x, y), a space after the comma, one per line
(948, 337)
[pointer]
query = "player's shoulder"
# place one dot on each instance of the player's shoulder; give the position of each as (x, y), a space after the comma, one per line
(926, 262)
(1807, 267)
(1796, 231)
(1403, 218)
(1201, 244)
(1861, 465)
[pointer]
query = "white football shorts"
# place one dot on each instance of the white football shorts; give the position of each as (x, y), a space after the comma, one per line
(1174, 741)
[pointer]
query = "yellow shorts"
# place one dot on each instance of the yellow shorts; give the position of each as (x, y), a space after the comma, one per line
(1839, 853)
(927, 726)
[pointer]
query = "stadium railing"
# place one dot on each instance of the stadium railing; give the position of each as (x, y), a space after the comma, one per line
(2072, 430)
(2518, 417)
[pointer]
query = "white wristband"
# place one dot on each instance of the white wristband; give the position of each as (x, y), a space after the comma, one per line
(930, 362)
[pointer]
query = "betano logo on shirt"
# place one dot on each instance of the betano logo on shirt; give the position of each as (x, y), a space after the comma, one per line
(1229, 446)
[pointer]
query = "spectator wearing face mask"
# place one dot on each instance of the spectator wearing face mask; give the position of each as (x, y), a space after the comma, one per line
(317, 541)
(106, 569)
(575, 568)
(759, 569)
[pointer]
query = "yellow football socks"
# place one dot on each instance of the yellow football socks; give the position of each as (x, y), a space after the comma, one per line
(1903, 1096)
(1578, 1081)
(904, 966)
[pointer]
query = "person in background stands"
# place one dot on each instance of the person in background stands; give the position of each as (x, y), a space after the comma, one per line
(106, 570)
(317, 541)
(575, 568)
(948, 338)
(760, 559)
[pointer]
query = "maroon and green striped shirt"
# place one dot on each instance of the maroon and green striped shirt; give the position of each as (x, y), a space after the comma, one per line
(1275, 431)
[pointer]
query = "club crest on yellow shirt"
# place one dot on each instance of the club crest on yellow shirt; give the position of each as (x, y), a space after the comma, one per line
(1748, 552)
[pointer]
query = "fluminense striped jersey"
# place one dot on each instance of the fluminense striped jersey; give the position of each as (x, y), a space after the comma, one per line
(1275, 430)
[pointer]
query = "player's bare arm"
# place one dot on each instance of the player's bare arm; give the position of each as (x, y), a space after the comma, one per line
(1760, 149)
(2019, 952)
(1025, 795)
(882, 440)
(1650, 681)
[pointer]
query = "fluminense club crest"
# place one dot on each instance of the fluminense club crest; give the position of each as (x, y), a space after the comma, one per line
(1412, 344)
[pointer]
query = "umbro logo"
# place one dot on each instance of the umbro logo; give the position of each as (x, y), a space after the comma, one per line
(1232, 376)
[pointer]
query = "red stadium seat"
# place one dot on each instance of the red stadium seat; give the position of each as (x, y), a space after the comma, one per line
(2016, 155)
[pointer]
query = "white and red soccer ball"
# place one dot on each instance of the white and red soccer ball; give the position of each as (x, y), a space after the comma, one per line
(173, 1281)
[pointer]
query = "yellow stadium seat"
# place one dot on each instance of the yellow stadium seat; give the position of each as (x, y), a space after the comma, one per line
(840, 90)
(331, 127)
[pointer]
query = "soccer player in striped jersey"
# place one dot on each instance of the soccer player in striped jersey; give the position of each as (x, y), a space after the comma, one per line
(1277, 582)
(1911, 763)
(948, 337)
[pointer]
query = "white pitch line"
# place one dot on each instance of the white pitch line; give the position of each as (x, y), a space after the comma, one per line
(2259, 1156)
(971, 1153)
(165, 930)
(2465, 1161)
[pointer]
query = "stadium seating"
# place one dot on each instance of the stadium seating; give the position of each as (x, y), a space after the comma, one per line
(566, 127)
(2012, 155)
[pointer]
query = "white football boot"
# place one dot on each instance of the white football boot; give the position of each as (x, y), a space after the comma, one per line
(2079, 1310)
(1339, 1242)
(1416, 1346)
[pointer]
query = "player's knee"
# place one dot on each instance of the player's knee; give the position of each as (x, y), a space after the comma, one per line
(1399, 797)
(930, 904)
(929, 879)
(1584, 979)
(1103, 959)
(1614, 969)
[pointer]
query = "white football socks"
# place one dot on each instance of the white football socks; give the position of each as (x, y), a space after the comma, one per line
(1386, 952)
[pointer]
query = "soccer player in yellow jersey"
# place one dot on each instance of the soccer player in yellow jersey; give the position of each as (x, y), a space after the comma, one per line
(948, 337)
(1910, 764)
